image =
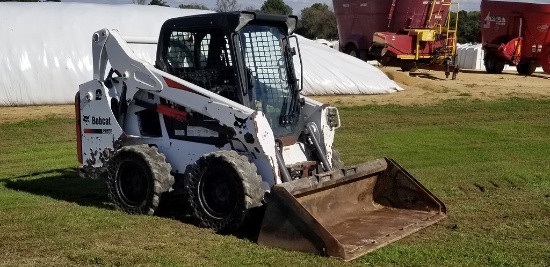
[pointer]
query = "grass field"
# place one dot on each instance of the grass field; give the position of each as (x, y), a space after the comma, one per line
(488, 161)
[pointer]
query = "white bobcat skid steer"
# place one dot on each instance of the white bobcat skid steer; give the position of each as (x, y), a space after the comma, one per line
(220, 119)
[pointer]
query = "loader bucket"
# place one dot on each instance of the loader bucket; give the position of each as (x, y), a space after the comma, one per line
(348, 212)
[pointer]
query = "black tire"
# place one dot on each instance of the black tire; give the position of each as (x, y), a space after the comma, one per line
(408, 66)
(352, 50)
(526, 68)
(137, 176)
(493, 64)
(222, 187)
(336, 161)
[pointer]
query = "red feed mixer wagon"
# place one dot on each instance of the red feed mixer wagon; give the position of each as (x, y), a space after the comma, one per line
(404, 33)
(515, 33)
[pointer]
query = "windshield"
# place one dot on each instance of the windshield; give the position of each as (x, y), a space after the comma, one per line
(268, 63)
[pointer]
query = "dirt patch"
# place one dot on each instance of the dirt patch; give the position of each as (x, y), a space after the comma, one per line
(12, 114)
(421, 87)
(428, 87)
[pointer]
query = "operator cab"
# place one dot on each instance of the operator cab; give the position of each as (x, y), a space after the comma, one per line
(243, 56)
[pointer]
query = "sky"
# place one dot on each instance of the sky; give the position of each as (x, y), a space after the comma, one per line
(297, 5)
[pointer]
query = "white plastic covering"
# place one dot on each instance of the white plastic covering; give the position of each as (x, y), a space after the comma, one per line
(329, 72)
(470, 56)
(45, 51)
(46, 48)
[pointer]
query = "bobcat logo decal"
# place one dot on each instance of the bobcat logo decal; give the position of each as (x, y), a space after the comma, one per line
(240, 123)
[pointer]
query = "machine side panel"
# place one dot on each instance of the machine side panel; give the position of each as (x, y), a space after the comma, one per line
(101, 134)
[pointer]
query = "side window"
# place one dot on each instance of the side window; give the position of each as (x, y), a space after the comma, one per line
(198, 49)
(203, 57)
(180, 50)
(205, 43)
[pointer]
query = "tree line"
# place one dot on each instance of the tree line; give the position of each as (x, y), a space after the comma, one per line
(469, 26)
(316, 21)
(319, 20)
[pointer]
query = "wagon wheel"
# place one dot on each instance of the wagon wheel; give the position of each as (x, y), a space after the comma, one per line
(526, 68)
(493, 64)
(352, 50)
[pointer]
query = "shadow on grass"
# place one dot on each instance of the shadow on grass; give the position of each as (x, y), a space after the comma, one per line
(177, 208)
(63, 184)
(252, 225)
(66, 185)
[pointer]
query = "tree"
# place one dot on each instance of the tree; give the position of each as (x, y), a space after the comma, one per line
(158, 3)
(318, 21)
(139, 2)
(251, 8)
(469, 26)
(227, 5)
(193, 6)
(276, 7)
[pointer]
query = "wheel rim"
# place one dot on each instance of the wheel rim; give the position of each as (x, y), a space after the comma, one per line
(218, 192)
(132, 183)
(353, 53)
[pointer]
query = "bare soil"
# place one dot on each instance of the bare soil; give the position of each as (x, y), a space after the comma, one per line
(421, 88)
(429, 87)
(12, 114)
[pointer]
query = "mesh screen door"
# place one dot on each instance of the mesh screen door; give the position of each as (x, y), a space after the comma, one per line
(263, 51)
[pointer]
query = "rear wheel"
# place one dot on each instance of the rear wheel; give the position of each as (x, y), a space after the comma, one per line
(352, 50)
(526, 68)
(493, 64)
(136, 178)
(222, 187)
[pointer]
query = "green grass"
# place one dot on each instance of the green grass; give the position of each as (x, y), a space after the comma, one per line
(488, 161)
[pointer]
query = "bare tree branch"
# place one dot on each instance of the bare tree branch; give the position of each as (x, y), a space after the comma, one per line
(227, 5)
(251, 8)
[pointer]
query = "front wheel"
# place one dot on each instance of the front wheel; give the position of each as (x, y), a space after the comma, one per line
(222, 187)
(493, 64)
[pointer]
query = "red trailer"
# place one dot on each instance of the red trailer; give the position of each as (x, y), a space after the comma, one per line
(517, 34)
(404, 33)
